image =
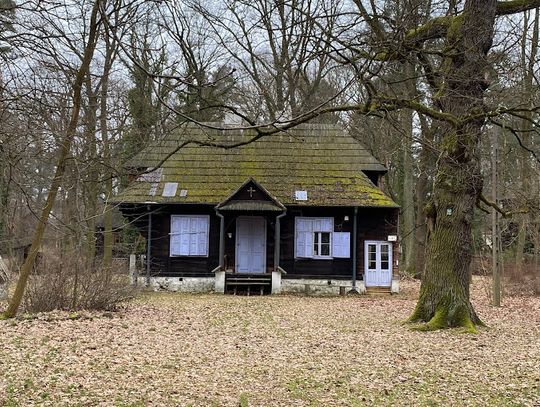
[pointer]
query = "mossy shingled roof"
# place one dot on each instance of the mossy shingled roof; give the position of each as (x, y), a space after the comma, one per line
(320, 159)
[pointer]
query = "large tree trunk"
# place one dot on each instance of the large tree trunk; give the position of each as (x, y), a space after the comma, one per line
(444, 293)
(65, 148)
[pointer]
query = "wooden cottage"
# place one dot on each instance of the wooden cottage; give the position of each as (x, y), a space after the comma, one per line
(295, 211)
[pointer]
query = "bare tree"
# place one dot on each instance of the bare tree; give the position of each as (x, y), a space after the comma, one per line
(65, 147)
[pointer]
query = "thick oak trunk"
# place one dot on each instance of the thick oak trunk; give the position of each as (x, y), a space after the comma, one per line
(444, 293)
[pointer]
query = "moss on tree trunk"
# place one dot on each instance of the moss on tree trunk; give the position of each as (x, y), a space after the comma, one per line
(444, 294)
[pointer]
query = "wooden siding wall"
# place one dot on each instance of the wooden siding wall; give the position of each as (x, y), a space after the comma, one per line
(311, 268)
(377, 224)
(373, 224)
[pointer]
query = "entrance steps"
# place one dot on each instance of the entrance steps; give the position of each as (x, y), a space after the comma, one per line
(248, 284)
(378, 291)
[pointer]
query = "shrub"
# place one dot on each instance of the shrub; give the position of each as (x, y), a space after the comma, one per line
(70, 283)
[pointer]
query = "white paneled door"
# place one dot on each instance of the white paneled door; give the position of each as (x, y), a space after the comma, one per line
(378, 264)
(250, 244)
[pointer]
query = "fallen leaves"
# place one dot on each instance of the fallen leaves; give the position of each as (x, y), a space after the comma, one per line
(203, 350)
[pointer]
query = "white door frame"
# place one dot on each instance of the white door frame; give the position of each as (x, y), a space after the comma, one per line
(379, 272)
(236, 254)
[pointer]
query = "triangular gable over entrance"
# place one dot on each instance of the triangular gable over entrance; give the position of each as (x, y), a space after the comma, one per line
(251, 196)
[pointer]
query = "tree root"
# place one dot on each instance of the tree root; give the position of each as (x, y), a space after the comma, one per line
(444, 318)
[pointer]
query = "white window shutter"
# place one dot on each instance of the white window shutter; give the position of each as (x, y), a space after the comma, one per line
(309, 244)
(341, 245)
(189, 235)
(184, 225)
(300, 250)
(327, 225)
(175, 245)
(300, 238)
(184, 244)
(202, 236)
(175, 224)
(304, 237)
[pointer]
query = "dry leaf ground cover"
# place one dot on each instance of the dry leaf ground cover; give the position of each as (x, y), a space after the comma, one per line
(212, 350)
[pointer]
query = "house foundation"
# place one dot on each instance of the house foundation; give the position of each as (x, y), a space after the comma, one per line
(279, 285)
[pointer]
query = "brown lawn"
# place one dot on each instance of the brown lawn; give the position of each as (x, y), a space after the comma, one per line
(212, 350)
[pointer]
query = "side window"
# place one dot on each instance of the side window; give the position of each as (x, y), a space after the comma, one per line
(189, 235)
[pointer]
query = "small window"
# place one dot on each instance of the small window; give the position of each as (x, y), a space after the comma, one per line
(300, 195)
(321, 245)
(189, 235)
(169, 189)
(384, 257)
(372, 256)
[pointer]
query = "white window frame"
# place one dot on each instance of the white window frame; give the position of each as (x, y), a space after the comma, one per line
(179, 233)
(309, 241)
(320, 243)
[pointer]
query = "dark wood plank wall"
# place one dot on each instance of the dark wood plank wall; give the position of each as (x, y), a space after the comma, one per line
(373, 224)
(161, 263)
(377, 224)
(310, 268)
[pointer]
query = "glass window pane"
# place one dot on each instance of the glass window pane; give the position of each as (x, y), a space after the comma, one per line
(325, 249)
(325, 237)
(384, 265)
(372, 265)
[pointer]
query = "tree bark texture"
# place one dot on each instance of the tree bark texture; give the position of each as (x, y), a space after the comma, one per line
(444, 293)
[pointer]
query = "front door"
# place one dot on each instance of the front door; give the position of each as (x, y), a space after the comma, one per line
(250, 244)
(378, 264)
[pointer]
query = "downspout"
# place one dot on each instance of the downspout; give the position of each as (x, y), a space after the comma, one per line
(148, 246)
(221, 240)
(354, 250)
(277, 239)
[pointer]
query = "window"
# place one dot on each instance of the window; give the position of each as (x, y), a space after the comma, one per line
(385, 264)
(313, 237)
(372, 256)
(321, 244)
(189, 235)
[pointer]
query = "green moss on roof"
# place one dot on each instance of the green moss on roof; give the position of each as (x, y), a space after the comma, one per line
(320, 159)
